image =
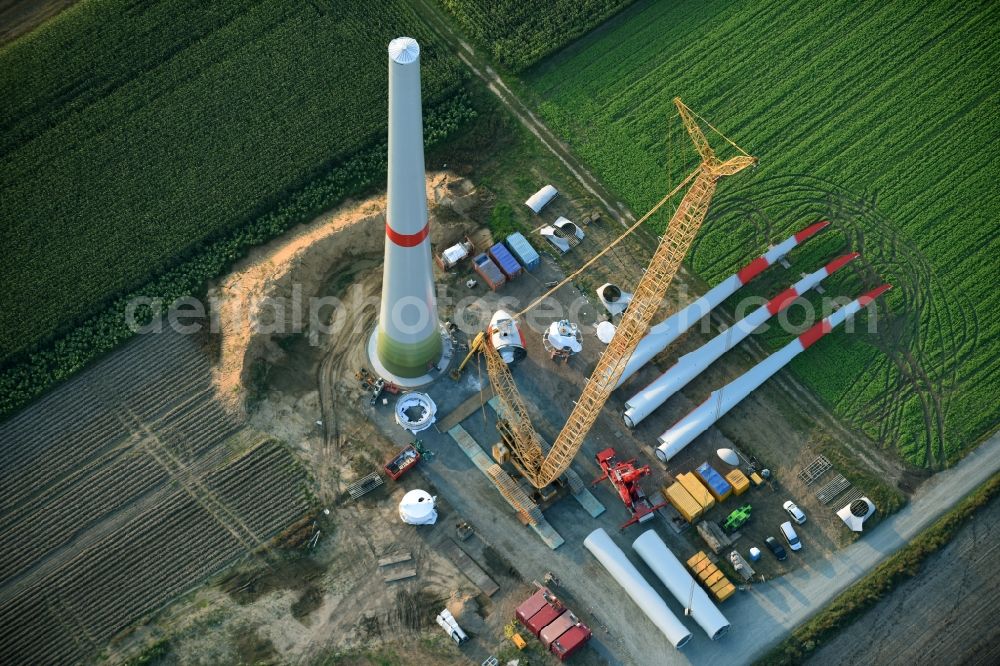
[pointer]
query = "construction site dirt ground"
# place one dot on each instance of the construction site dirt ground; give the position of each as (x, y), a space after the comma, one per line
(548, 388)
(326, 598)
(313, 400)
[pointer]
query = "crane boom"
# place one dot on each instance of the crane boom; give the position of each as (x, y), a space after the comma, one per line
(526, 447)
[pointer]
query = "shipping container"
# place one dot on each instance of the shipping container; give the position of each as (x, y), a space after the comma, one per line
(755, 478)
(574, 639)
(505, 260)
(556, 629)
(681, 500)
(716, 484)
(543, 618)
(489, 271)
(697, 490)
(523, 251)
(714, 578)
(739, 481)
(726, 592)
(695, 559)
(531, 605)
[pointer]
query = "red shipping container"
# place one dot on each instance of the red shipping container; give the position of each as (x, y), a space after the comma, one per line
(530, 606)
(571, 641)
(556, 629)
(543, 618)
(489, 271)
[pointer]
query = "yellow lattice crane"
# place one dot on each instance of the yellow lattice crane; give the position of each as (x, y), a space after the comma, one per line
(517, 433)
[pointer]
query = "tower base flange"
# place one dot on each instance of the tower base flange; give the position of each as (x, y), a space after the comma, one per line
(439, 369)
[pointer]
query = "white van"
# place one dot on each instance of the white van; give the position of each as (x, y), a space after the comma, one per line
(791, 537)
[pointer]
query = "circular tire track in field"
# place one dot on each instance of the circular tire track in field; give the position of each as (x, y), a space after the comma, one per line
(922, 345)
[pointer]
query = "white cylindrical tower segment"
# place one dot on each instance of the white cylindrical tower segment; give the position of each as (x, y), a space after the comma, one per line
(662, 562)
(408, 337)
(645, 597)
(702, 417)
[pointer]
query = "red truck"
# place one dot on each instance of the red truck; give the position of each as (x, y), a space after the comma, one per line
(557, 628)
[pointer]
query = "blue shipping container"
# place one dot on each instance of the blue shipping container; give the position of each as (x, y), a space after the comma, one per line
(506, 261)
(521, 248)
(717, 484)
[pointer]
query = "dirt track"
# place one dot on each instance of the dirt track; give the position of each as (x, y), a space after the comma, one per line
(943, 615)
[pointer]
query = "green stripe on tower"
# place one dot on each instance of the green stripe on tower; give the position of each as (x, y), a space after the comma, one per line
(408, 359)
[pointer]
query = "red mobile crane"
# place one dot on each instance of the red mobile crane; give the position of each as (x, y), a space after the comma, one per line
(624, 476)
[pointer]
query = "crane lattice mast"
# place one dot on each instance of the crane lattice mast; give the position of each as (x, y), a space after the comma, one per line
(515, 427)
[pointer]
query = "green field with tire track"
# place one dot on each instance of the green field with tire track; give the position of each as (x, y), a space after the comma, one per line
(880, 116)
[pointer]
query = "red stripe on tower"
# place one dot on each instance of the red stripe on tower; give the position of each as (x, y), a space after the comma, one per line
(839, 262)
(407, 240)
(782, 300)
(752, 270)
(873, 294)
(811, 230)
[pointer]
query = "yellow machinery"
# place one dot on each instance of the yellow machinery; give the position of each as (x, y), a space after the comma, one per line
(517, 433)
(475, 346)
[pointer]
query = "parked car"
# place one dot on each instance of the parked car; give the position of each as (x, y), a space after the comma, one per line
(776, 548)
(795, 512)
(791, 537)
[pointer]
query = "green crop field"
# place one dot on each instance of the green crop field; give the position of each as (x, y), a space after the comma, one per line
(881, 117)
(519, 33)
(133, 135)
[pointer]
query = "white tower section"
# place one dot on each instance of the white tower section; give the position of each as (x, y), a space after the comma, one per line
(408, 338)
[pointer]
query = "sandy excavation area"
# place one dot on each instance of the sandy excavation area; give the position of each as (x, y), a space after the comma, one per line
(323, 591)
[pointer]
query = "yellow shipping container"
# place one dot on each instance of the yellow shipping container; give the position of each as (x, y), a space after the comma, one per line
(714, 578)
(681, 500)
(739, 481)
(725, 592)
(697, 490)
(696, 558)
(755, 477)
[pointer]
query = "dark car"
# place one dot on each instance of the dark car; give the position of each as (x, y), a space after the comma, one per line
(776, 548)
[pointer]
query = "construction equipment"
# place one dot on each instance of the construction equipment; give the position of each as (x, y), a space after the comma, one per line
(464, 530)
(737, 518)
(515, 426)
(375, 385)
(475, 346)
(624, 476)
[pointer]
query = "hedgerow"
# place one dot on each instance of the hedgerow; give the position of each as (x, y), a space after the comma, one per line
(520, 33)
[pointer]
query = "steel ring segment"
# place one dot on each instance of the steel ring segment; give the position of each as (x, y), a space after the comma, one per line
(407, 240)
